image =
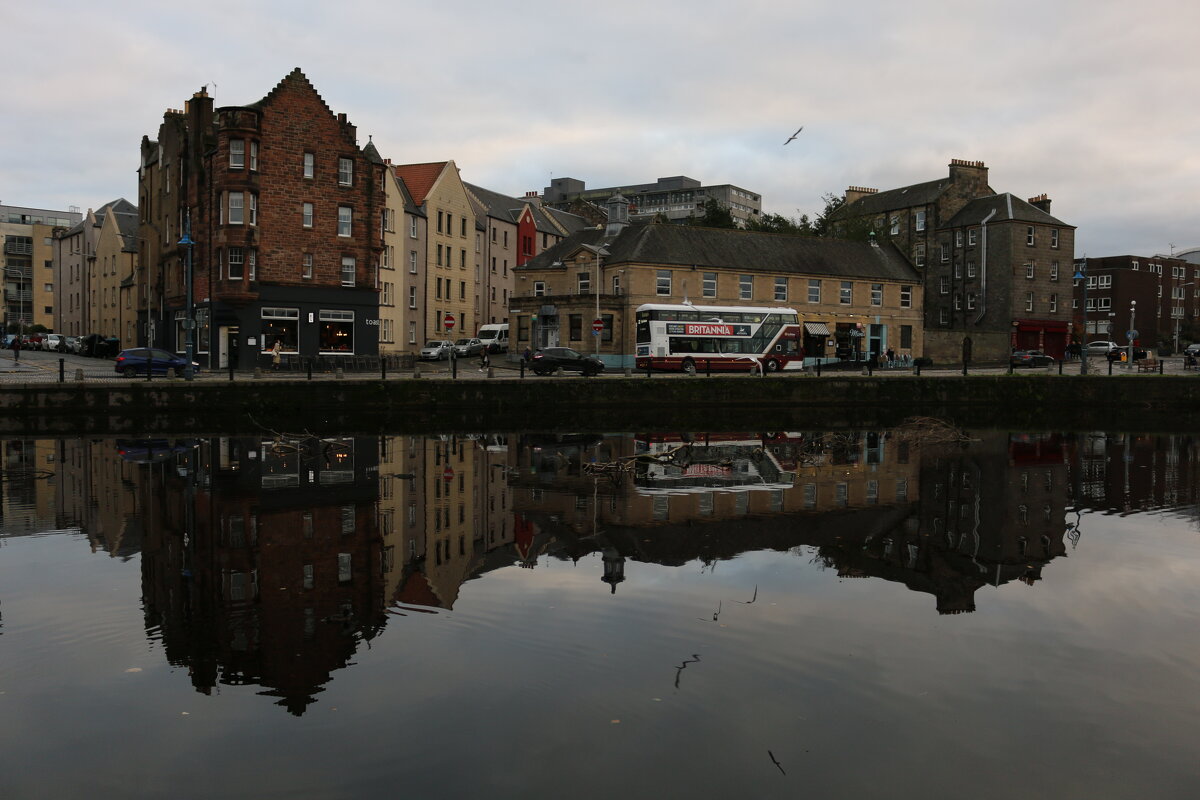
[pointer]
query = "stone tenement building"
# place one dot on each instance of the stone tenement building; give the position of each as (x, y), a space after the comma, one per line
(996, 269)
(286, 212)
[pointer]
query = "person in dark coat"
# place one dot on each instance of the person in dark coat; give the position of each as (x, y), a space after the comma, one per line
(16, 348)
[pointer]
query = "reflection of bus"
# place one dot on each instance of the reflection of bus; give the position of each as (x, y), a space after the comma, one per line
(730, 465)
(719, 338)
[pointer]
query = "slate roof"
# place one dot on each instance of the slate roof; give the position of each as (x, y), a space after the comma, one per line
(409, 206)
(685, 245)
(372, 153)
(419, 178)
(918, 194)
(502, 206)
(1008, 207)
(565, 220)
(127, 225)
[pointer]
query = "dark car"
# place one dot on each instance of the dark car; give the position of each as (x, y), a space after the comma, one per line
(549, 359)
(1030, 358)
(137, 360)
(1123, 352)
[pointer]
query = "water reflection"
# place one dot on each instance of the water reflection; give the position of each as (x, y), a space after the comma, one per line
(270, 562)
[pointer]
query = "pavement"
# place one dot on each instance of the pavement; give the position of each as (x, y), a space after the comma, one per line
(43, 367)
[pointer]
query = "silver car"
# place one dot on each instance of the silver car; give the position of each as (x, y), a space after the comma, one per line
(436, 349)
(467, 347)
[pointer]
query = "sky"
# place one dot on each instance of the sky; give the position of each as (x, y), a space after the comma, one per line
(1091, 102)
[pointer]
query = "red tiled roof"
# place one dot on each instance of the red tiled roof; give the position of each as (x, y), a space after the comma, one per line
(419, 178)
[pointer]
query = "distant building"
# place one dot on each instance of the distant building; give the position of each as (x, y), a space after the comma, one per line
(1157, 296)
(676, 198)
(78, 265)
(994, 266)
(285, 211)
(28, 240)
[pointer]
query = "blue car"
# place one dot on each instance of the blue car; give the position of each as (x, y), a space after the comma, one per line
(136, 360)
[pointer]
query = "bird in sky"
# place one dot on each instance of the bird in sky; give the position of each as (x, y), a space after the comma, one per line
(794, 135)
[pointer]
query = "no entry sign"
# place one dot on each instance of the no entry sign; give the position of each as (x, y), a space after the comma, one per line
(448, 321)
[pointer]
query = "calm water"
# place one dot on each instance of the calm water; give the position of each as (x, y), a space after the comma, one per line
(876, 614)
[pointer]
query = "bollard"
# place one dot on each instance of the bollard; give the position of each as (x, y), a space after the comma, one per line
(231, 370)
(416, 372)
(382, 369)
(917, 368)
(257, 373)
(1160, 367)
(708, 367)
(491, 372)
(338, 373)
(79, 374)
(647, 368)
(627, 372)
(964, 369)
(453, 367)
(1060, 367)
(309, 363)
(1010, 367)
(522, 368)
(819, 360)
(62, 364)
(1110, 363)
(871, 367)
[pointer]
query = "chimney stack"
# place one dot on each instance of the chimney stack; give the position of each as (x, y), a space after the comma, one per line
(856, 193)
(1041, 202)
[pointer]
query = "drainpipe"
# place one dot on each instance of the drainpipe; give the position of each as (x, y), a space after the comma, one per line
(983, 267)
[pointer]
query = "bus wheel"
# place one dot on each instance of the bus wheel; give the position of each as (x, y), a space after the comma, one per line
(689, 366)
(772, 365)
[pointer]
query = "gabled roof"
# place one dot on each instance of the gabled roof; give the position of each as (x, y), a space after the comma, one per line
(1008, 208)
(409, 206)
(918, 194)
(565, 221)
(420, 178)
(688, 246)
(127, 226)
(499, 206)
(120, 205)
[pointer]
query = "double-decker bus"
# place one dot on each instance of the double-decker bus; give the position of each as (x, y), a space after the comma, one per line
(695, 338)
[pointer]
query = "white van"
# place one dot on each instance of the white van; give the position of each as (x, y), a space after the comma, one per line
(494, 337)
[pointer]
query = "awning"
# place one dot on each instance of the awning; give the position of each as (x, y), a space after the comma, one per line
(1049, 326)
(816, 329)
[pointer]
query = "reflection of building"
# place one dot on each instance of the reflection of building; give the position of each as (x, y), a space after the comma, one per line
(275, 576)
(1123, 472)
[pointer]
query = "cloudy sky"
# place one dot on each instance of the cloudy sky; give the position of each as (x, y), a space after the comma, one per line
(1092, 102)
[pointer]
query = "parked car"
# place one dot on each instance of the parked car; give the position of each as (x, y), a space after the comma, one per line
(549, 359)
(467, 347)
(31, 341)
(1030, 358)
(1101, 348)
(1192, 350)
(54, 343)
(71, 344)
(436, 349)
(136, 360)
(1116, 355)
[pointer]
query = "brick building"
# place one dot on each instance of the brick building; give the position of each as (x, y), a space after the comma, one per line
(285, 213)
(995, 268)
(1163, 293)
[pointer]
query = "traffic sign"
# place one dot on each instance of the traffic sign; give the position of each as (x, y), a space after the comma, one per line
(447, 474)
(448, 321)
(597, 326)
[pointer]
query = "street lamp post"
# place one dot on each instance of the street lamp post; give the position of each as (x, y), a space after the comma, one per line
(1132, 334)
(189, 321)
(1081, 275)
(599, 251)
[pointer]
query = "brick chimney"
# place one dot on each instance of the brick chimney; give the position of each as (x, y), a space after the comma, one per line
(855, 193)
(972, 176)
(1041, 202)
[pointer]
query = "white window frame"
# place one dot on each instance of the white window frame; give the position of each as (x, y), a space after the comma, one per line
(746, 287)
(237, 153)
(253, 156)
(781, 289)
(306, 266)
(310, 165)
(1030, 236)
(662, 282)
(345, 171)
(1029, 301)
(345, 222)
(539, 288)
(972, 237)
(876, 294)
(919, 220)
(253, 209)
(709, 283)
(351, 262)
(412, 297)
(814, 290)
(235, 257)
(846, 293)
(240, 216)
(906, 297)
(306, 215)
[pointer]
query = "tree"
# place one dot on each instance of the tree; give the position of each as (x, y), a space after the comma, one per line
(716, 215)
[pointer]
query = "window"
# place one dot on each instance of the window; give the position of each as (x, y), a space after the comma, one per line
(412, 261)
(539, 288)
(439, 255)
(309, 160)
(1054, 237)
(919, 220)
(710, 284)
(348, 265)
(1029, 236)
(906, 335)
(412, 297)
(876, 294)
(958, 238)
(1053, 302)
(412, 227)
(781, 290)
(895, 229)
(307, 215)
(1029, 271)
(814, 290)
(236, 261)
(253, 209)
(944, 285)
(412, 333)
(663, 282)
(345, 171)
(437, 292)
(1135, 266)
(944, 316)
(943, 253)
(306, 270)
(336, 331)
(575, 325)
(254, 156)
(972, 237)
(616, 284)
(958, 301)
(252, 262)
(746, 287)
(344, 223)
(237, 153)
(236, 211)
(1053, 270)
(1029, 301)
(585, 282)
(919, 256)
(846, 293)
(970, 301)
(281, 324)
(906, 297)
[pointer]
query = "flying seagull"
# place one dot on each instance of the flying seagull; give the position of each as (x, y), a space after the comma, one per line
(794, 135)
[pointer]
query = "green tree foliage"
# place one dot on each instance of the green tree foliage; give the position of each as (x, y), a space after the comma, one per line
(716, 215)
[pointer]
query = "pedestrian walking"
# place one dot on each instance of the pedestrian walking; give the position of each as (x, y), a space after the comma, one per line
(484, 360)
(276, 349)
(528, 354)
(16, 347)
